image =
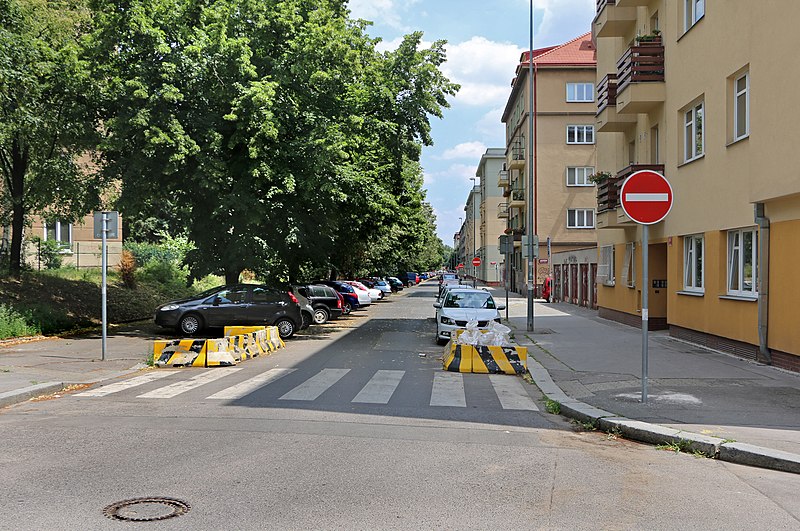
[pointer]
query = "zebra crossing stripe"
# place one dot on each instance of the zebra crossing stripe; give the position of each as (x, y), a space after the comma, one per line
(126, 384)
(248, 386)
(312, 388)
(511, 393)
(380, 388)
(177, 388)
(448, 390)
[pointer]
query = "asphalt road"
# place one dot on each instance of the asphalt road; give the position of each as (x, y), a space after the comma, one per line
(357, 428)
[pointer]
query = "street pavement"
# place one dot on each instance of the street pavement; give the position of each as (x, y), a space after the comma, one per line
(591, 366)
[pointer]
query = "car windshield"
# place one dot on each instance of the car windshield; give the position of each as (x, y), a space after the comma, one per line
(469, 299)
(209, 292)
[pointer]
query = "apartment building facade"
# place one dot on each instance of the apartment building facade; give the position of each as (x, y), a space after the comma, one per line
(562, 197)
(697, 91)
(492, 224)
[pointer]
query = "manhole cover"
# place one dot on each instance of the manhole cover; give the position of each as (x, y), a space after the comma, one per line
(146, 509)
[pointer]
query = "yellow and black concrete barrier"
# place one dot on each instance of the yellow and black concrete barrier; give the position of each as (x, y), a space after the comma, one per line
(240, 343)
(484, 359)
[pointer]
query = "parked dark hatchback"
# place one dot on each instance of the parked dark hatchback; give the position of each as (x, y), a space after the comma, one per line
(326, 303)
(238, 304)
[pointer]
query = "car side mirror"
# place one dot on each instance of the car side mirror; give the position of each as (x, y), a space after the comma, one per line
(437, 304)
(501, 306)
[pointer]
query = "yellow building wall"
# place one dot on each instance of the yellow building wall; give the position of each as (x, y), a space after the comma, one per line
(784, 292)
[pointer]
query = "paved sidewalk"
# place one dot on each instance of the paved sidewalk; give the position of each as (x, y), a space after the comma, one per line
(691, 390)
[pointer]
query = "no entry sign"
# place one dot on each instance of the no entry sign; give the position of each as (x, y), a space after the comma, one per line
(646, 197)
(476, 261)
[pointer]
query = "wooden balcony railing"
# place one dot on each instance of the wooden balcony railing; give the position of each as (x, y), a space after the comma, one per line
(608, 194)
(641, 63)
(606, 92)
(601, 4)
(633, 168)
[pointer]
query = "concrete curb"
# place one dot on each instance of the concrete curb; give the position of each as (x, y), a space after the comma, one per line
(21, 395)
(713, 447)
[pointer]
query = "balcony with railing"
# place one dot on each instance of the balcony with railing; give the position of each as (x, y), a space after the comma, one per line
(502, 178)
(607, 119)
(516, 153)
(517, 198)
(609, 211)
(613, 20)
(640, 77)
(502, 210)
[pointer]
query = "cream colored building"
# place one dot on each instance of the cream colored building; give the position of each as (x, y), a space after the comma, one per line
(492, 224)
(79, 248)
(701, 91)
(563, 197)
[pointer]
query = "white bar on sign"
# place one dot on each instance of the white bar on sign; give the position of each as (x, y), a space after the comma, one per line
(647, 198)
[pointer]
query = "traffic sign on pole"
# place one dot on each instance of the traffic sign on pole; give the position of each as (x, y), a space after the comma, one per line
(646, 197)
(460, 266)
(476, 261)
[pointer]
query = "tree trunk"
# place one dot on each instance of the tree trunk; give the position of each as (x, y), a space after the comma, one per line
(232, 275)
(19, 166)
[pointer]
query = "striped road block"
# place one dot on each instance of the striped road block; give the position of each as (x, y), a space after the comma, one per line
(192, 353)
(485, 359)
(266, 338)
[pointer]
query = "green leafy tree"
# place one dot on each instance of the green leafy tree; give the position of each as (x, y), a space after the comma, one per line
(47, 120)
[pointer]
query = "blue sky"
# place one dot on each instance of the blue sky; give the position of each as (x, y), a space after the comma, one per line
(485, 39)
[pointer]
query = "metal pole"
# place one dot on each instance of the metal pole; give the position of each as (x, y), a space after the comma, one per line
(104, 264)
(474, 243)
(645, 316)
(530, 163)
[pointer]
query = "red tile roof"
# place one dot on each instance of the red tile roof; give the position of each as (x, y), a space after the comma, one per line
(579, 51)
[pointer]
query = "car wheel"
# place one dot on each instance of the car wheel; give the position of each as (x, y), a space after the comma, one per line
(285, 328)
(190, 324)
(321, 316)
(347, 308)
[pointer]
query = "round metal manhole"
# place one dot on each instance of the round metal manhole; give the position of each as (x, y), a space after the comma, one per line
(146, 509)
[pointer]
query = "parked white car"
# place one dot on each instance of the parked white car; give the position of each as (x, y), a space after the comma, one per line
(365, 298)
(460, 306)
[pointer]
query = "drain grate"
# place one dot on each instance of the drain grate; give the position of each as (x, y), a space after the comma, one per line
(146, 509)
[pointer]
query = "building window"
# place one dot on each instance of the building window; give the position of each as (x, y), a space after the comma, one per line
(741, 107)
(629, 267)
(579, 175)
(580, 218)
(580, 92)
(693, 11)
(60, 232)
(742, 262)
(580, 134)
(605, 268)
(694, 145)
(693, 257)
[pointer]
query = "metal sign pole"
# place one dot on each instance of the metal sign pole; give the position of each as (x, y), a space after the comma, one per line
(645, 316)
(104, 264)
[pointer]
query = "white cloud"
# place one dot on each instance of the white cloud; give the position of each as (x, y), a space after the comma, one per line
(472, 62)
(490, 125)
(562, 20)
(466, 150)
(389, 12)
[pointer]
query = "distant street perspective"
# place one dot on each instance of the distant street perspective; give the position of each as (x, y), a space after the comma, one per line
(399, 264)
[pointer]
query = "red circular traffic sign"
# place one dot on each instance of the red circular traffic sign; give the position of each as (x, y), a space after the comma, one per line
(646, 197)
(476, 261)
(460, 266)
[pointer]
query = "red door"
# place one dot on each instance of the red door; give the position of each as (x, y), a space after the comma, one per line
(584, 293)
(573, 283)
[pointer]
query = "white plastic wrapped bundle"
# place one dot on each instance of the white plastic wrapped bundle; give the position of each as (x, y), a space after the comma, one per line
(471, 336)
(496, 334)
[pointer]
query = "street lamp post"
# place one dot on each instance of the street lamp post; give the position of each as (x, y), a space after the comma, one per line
(531, 161)
(474, 245)
(460, 236)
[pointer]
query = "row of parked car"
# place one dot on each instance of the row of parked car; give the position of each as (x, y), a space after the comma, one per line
(290, 310)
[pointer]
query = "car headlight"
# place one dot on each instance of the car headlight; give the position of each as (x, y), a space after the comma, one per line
(448, 321)
(169, 307)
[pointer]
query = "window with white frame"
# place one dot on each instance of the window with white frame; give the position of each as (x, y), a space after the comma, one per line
(693, 259)
(580, 218)
(743, 262)
(693, 11)
(628, 267)
(741, 106)
(580, 134)
(605, 267)
(579, 175)
(59, 231)
(580, 92)
(694, 144)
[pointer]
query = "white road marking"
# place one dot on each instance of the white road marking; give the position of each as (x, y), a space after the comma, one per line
(127, 384)
(316, 385)
(187, 385)
(448, 390)
(647, 198)
(380, 388)
(511, 393)
(248, 386)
